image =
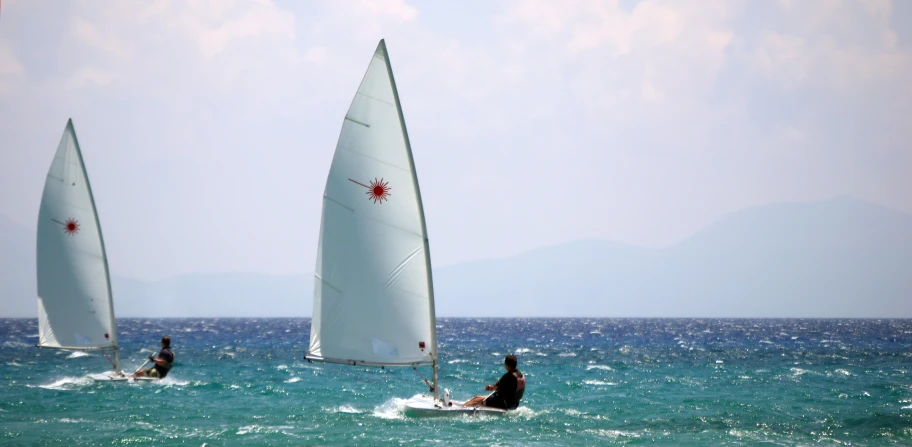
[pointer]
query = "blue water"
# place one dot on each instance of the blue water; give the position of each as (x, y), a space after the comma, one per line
(590, 382)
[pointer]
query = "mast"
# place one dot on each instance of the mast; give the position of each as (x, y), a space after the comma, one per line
(427, 248)
(436, 382)
(104, 254)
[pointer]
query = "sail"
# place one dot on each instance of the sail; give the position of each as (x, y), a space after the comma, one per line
(373, 294)
(74, 292)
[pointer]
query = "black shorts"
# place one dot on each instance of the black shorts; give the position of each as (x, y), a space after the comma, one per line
(162, 372)
(497, 401)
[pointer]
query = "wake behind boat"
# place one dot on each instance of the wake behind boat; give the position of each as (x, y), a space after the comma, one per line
(75, 305)
(373, 291)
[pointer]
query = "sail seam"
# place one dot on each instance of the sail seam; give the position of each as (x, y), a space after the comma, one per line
(376, 99)
(358, 122)
(397, 272)
(327, 283)
(363, 216)
(362, 154)
(338, 203)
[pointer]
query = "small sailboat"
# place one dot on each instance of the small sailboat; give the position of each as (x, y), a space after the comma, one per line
(75, 307)
(373, 292)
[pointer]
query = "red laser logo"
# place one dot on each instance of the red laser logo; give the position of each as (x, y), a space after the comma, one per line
(70, 227)
(377, 191)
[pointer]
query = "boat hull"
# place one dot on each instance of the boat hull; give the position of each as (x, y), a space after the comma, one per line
(423, 405)
(111, 377)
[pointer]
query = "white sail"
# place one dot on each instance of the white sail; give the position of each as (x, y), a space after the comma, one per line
(74, 291)
(373, 293)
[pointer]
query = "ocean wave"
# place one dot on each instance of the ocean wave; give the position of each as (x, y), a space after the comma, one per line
(614, 434)
(524, 413)
(78, 354)
(248, 429)
(391, 409)
(67, 384)
(293, 380)
(171, 381)
(344, 409)
(73, 421)
(599, 383)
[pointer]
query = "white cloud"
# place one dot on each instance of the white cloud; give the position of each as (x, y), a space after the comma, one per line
(12, 72)
(90, 76)
(547, 121)
(841, 45)
(397, 10)
(214, 29)
(88, 35)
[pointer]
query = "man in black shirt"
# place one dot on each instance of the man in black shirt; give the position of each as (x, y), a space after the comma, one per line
(507, 392)
(163, 361)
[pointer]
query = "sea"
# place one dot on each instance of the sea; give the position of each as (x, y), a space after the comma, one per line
(590, 381)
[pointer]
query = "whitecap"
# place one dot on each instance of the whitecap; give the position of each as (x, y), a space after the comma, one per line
(614, 434)
(171, 381)
(602, 367)
(72, 421)
(391, 409)
(78, 354)
(344, 409)
(67, 384)
(293, 380)
(523, 412)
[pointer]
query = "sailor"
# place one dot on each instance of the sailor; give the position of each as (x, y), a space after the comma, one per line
(507, 392)
(163, 361)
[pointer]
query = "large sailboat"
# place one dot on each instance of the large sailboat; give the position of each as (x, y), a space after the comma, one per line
(373, 292)
(75, 306)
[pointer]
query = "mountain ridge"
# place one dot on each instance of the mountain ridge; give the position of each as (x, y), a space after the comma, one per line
(841, 257)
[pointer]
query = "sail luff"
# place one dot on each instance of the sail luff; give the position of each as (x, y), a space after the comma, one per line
(424, 232)
(104, 253)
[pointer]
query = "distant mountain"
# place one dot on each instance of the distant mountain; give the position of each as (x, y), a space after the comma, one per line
(836, 258)
(209, 295)
(215, 295)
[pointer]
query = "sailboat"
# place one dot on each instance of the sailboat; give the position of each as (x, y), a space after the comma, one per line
(75, 306)
(373, 292)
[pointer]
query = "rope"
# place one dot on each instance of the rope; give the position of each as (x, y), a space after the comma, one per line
(109, 359)
(431, 387)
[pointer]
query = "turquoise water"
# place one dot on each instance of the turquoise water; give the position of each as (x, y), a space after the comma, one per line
(590, 382)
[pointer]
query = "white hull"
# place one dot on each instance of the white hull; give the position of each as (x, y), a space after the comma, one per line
(110, 376)
(425, 405)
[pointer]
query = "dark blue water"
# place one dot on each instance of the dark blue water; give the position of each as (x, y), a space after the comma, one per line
(590, 382)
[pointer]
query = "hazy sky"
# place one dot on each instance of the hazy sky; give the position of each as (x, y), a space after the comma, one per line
(208, 126)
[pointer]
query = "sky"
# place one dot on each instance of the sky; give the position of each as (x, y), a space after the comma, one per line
(208, 127)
